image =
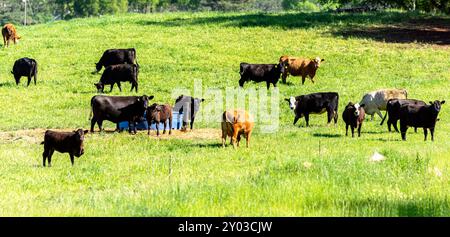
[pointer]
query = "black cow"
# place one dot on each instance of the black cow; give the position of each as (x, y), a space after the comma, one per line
(25, 67)
(189, 106)
(270, 73)
(353, 116)
(118, 109)
(316, 103)
(119, 73)
(116, 56)
(64, 142)
(393, 110)
(420, 116)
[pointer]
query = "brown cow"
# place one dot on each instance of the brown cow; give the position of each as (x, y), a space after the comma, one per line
(236, 123)
(9, 33)
(64, 142)
(303, 67)
(159, 114)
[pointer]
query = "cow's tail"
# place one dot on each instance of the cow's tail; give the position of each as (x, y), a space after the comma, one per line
(92, 109)
(35, 71)
(382, 121)
(336, 114)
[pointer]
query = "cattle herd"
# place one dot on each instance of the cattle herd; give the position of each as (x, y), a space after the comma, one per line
(121, 66)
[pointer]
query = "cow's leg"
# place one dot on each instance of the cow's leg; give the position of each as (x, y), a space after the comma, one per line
(415, 129)
(432, 134)
(72, 159)
(380, 114)
(17, 78)
(247, 137)
(359, 130)
(157, 127)
(134, 85)
(312, 79)
(346, 129)
(4, 45)
(100, 123)
(268, 85)
(403, 129)
(120, 86)
(224, 134)
(170, 125)
(394, 124)
(49, 157)
(283, 77)
(235, 137)
(330, 115)
(93, 121)
(307, 119)
(371, 117)
(239, 139)
(296, 119)
(165, 126)
(29, 80)
(44, 156)
(425, 133)
(353, 130)
(389, 123)
(303, 80)
(192, 123)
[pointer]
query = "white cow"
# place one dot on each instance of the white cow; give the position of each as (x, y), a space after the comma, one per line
(377, 100)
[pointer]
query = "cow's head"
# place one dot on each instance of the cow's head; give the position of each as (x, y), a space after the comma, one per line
(98, 66)
(99, 87)
(316, 62)
(354, 109)
(292, 102)
(437, 105)
(78, 138)
(281, 67)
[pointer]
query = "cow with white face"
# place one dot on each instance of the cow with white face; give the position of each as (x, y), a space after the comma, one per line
(353, 116)
(315, 103)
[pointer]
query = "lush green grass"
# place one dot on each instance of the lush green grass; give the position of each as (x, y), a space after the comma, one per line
(298, 171)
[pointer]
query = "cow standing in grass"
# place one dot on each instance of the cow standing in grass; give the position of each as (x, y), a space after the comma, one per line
(9, 33)
(315, 103)
(393, 110)
(119, 73)
(269, 73)
(353, 116)
(64, 142)
(425, 117)
(25, 67)
(303, 67)
(376, 101)
(116, 56)
(188, 106)
(159, 114)
(236, 123)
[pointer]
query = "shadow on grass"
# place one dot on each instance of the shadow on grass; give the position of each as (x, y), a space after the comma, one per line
(286, 20)
(431, 31)
(396, 27)
(7, 84)
(327, 135)
(210, 145)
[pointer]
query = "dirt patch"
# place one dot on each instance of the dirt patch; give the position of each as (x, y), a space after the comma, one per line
(425, 31)
(37, 135)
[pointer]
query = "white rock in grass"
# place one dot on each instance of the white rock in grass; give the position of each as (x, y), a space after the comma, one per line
(307, 164)
(436, 171)
(376, 157)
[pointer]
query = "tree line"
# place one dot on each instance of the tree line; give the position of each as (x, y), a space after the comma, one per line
(46, 10)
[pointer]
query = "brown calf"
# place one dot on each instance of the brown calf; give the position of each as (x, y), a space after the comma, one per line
(64, 142)
(236, 123)
(159, 114)
(303, 67)
(9, 33)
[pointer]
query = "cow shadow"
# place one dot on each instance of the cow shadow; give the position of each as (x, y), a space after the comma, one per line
(327, 135)
(7, 84)
(209, 145)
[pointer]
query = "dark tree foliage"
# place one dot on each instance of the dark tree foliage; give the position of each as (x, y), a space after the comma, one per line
(47, 10)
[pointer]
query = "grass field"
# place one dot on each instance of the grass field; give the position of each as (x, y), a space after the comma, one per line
(298, 171)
